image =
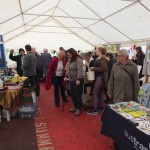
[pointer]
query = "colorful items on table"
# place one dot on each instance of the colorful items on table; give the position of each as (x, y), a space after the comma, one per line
(144, 95)
(135, 112)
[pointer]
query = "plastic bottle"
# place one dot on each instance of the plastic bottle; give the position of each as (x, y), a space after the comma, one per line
(1, 84)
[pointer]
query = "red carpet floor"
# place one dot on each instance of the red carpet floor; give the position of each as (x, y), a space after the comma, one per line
(57, 130)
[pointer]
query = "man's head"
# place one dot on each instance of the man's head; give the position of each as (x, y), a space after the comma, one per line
(61, 49)
(28, 48)
(21, 51)
(88, 56)
(45, 50)
(33, 50)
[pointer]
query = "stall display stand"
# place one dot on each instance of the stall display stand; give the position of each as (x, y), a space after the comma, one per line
(29, 103)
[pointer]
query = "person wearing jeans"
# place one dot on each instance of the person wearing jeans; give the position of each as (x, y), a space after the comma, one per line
(74, 72)
(76, 93)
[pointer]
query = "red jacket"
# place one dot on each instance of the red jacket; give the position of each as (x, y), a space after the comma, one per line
(52, 71)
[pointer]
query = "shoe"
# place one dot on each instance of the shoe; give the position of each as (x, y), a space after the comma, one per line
(93, 113)
(78, 112)
(73, 110)
(99, 109)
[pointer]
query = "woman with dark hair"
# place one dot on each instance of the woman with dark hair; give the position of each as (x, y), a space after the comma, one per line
(74, 72)
(139, 59)
(101, 80)
(56, 75)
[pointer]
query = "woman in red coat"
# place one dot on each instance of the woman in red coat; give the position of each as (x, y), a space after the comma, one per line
(55, 76)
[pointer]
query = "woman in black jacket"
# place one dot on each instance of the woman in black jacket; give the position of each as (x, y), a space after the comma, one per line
(139, 58)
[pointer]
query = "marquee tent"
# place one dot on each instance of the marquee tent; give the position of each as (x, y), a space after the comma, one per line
(74, 23)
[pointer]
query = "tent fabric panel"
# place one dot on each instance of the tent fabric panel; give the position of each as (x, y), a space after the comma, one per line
(49, 12)
(45, 6)
(8, 9)
(75, 30)
(14, 33)
(90, 37)
(68, 22)
(50, 41)
(146, 3)
(11, 25)
(86, 22)
(27, 4)
(28, 18)
(50, 29)
(51, 22)
(107, 32)
(132, 22)
(38, 20)
(59, 12)
(76, 9)
(105, 8)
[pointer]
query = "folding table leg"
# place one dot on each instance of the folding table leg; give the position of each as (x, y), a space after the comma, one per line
(8, 115)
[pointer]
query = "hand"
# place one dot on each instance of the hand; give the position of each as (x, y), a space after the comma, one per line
(133, 57)
(65, 79)
(11, 51)
(91, 69)
(110, 97)
(77, 82)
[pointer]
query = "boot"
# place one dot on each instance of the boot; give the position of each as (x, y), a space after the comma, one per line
(78, 112)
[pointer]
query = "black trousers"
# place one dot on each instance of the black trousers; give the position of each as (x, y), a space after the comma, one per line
(57, 82)
(76, 94)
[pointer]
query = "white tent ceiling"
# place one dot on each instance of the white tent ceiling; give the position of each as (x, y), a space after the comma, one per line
(74, 23)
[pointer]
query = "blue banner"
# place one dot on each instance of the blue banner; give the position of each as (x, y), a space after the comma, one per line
(2, 55)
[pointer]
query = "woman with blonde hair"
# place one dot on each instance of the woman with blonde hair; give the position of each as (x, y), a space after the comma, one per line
(56, 75)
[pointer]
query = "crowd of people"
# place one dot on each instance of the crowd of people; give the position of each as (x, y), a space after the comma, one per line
(116, 76)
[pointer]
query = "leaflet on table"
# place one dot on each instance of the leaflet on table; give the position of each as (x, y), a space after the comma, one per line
(136, 113)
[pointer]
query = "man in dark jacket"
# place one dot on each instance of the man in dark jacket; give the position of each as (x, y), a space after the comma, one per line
(29, 65)
(39, 71)
(46, 59)
(18, 59)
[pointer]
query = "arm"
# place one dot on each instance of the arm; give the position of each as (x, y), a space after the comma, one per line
(136, 83)
(91, 64)
(67, 69)
(111, 83)
(14, 58)
(103, 66)
(51, 72)
(26, 62)
(79, 68)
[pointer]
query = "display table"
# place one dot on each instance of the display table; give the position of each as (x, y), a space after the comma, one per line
(9, 100)
(123, 131)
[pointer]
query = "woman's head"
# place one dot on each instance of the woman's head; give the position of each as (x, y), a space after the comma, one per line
(101, 51)
(72, 54)
(122, 56)
(61, 55)
(139, 49)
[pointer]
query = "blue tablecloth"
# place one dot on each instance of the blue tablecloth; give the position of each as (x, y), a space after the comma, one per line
(123, 131)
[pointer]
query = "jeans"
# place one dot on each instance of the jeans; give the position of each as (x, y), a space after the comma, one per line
(76, 94)
(57, 82)
(98, 92)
